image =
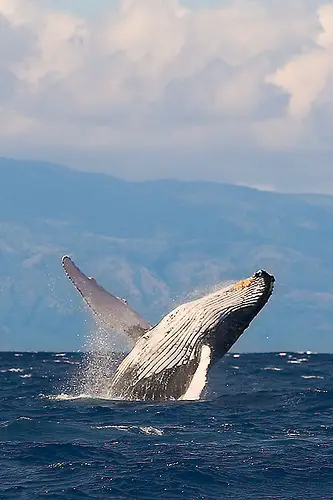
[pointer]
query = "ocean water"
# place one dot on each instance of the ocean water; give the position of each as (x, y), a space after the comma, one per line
(263, 430)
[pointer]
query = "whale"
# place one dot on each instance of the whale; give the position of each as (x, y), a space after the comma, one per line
(171, 360)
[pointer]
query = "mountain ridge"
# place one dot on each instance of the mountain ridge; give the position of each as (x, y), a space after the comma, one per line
(155, 242)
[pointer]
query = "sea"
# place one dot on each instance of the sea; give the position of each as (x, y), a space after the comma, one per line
(263, 429)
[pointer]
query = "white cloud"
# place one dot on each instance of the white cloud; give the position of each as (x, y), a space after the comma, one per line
(306, 76)
(155, 74)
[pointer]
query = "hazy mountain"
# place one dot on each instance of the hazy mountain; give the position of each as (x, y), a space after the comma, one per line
(153, 243)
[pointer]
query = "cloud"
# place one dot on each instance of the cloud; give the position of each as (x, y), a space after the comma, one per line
(306, 76)
(155, 74)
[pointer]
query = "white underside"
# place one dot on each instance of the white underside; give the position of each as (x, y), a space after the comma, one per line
(200, 376)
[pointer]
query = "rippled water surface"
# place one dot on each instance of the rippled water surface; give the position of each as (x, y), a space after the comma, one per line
(263, 431)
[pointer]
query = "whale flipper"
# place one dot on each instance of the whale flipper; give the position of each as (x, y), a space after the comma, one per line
(112, 312)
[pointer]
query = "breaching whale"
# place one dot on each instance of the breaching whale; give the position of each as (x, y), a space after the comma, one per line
(171, 360)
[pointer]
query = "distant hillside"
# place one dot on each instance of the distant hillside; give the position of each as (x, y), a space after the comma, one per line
(154, 242)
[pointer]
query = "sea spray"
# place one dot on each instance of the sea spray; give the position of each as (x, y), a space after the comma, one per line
(199, 292)
(103, 351)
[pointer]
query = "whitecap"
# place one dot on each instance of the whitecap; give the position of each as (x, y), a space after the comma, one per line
(105, 427)
(57, 465)
(13, 370)
(272, 368)
(73, 397)
(125, 428)
(148, 430)
(66, 397)
(298, 361)
(151, 430)
(311, 376)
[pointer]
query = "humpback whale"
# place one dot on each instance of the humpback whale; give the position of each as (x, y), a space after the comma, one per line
(171, 360)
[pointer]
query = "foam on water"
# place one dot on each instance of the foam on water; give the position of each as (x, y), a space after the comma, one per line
(298, 361)
(148, 430)
(72, 397)
(12, 370)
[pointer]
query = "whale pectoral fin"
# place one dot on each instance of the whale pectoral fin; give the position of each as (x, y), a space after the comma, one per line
(112, 312)
(199, 379)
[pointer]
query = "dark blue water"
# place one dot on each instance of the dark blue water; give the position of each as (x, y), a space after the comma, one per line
(265, 431)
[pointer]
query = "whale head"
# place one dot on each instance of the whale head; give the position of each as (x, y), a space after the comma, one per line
(229, 311)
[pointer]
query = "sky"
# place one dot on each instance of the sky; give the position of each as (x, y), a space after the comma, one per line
(237, 91)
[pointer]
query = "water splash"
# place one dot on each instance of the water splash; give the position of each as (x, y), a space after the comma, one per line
(103, 353)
